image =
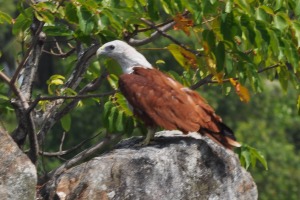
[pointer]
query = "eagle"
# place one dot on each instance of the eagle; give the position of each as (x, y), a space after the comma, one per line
(160, 101)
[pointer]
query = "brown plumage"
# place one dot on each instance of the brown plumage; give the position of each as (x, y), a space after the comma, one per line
(159, 100)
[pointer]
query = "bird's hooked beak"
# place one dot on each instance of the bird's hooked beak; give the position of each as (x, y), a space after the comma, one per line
(101, 51)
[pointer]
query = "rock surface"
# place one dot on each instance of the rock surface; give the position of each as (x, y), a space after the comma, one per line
(17, 173)
(174, 167)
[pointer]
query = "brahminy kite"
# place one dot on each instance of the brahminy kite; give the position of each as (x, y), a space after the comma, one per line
(160, 101)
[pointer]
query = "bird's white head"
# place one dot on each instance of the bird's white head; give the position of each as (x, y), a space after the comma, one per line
(124, 54)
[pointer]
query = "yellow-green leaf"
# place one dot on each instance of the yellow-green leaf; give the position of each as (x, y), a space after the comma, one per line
(5, 18)
(66, 122)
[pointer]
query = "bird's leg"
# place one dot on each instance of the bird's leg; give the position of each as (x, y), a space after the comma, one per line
(150, 135)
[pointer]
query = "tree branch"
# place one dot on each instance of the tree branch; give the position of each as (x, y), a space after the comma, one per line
(78, 97)
(208, 78)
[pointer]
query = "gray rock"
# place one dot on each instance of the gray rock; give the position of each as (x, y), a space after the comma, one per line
(174, 167)
(18, 176)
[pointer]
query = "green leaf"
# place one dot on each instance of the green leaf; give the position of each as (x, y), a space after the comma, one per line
(160, 62)
(244, 5)
(261, 26)
(69, 91)
(57, 30)
(5, 18)
(281, 21)
(153, 9)
(23, 21)
(120, 121)
(257, 154)
(42, 6)
(113, 81)
(122, 104)
(66, 122)
(296, 27)
(220, 56)
(247, 159)
(129, 3)
(71, 13)
(245, 20)
(227, 24)
(298, 105)
(174, 49)
(55, 80)
(228, 6)
(278, 4)
(5, 98)
(107, 108)
(249, 155)
(283, 76)
(45, 16)
(210, 38)
(112, 119)
(86, 21)
(129, 127)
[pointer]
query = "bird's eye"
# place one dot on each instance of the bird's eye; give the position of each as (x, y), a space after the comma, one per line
(110, 47)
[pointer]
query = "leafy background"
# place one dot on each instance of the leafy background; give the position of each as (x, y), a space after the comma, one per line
(249, 47)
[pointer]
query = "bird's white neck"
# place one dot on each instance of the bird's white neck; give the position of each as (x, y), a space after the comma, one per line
(130, 59)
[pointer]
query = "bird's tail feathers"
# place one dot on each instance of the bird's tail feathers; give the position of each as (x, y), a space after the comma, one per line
(225, 137)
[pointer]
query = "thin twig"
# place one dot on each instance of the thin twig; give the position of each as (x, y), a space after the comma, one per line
(64, 152)
(84, 155)
(61, 55)
(62, 141)
(201, 82)
(151, 24)
(267, 68)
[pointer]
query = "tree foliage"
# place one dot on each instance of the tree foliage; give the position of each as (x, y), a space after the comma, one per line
(234, 44)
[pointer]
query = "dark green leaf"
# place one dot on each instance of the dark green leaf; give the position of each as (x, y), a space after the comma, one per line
(298, 105)
(227, 24)
(210, 38)
(71, 13)
(86, 21)
(129, 125)
(261, 26)
(220, 56)
(153, 9)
